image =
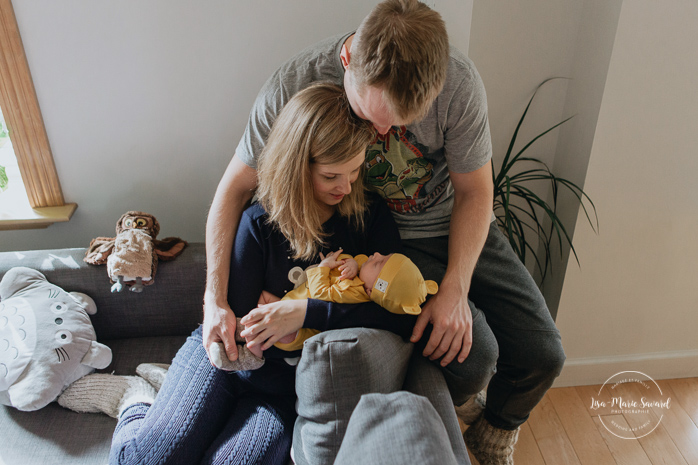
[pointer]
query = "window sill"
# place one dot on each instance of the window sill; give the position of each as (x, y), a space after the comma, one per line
(36, 218)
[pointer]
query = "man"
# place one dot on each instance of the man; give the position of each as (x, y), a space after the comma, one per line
(431, 161)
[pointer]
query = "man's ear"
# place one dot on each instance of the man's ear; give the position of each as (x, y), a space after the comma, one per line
(345, 56)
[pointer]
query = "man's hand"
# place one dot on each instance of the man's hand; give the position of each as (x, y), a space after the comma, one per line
(267, 324)
(452, 321)
(219, 326)
(448, 310)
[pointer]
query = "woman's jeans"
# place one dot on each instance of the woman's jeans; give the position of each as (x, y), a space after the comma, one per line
(516, 346)
(205, 415)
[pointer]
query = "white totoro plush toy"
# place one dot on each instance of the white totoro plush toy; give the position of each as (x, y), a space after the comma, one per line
(46, 339)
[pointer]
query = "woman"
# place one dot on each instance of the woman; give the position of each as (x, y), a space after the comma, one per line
(311, 201)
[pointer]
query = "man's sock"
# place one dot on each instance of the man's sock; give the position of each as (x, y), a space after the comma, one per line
(471, 410)
(491, 445)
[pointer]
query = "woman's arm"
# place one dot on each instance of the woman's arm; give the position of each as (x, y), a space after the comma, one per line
(380, 235)
(248, 265)
(267, 324)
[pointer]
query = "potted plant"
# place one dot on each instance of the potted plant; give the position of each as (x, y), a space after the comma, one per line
(521, 213)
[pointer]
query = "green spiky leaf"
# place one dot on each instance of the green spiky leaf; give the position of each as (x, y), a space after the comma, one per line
(520, 210)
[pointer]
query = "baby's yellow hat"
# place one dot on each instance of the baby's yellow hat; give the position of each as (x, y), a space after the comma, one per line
(400, 287)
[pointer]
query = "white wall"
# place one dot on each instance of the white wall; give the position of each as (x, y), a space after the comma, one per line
(633, 304)
(144, 102)
(516, 46)
(592, 54)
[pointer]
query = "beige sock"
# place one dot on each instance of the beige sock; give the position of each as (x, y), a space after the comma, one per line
(246, 359)
(105, 393)
(154, 373)
(471, 410)
(490, 445)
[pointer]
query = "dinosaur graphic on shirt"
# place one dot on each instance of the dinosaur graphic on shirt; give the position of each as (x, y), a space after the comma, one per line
(397, 169)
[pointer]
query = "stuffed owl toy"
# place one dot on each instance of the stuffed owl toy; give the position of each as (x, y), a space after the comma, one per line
(132, 256)
(46, 339)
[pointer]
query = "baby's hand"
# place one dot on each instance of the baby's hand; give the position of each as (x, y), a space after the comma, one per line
(256, 351)
(349, 270)
(330, 261)
(266, 298)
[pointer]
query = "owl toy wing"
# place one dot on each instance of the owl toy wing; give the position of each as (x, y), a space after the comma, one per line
(169, 248)
(99, 250)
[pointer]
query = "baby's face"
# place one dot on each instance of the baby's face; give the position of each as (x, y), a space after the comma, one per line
(371, 269)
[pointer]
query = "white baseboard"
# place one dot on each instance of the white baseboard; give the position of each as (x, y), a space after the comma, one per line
(662, 365)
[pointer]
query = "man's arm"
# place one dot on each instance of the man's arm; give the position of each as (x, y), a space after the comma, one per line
(448, 310)
(234, 191)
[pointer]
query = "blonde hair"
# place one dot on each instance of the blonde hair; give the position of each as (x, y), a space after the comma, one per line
(315, 126)
(402, 47)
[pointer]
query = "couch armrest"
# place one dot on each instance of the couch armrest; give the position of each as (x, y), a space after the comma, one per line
(172, 306)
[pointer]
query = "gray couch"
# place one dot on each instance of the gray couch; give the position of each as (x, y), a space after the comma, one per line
(150, 327)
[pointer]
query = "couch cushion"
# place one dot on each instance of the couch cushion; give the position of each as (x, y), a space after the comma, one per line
(171, 306)
(129, 353)
(336, 369)
(397, 428)
(54, 435)
(426, 379)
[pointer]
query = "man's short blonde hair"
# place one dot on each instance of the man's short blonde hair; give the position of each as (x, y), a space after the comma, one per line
(401, 47)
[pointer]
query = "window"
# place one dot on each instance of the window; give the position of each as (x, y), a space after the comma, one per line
(21, 111)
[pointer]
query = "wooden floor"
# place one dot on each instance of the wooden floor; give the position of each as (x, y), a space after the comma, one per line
(564, 429)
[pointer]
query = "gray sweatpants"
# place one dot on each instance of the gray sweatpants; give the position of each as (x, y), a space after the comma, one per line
(516, 346)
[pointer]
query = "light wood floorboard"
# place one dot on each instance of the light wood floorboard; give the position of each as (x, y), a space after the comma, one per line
(566, 428)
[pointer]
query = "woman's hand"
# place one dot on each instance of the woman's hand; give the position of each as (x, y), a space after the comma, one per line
(219, 326)
(267, 324)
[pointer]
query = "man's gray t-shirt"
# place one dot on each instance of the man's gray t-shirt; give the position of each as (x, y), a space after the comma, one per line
(409, 166)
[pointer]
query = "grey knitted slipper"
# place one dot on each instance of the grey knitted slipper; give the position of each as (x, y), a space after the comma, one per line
(103, 393)
(246, 359)
(154, 373)
(491, 445)
(471, 410)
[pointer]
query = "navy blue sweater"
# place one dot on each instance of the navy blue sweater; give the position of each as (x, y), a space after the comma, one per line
(261, 260)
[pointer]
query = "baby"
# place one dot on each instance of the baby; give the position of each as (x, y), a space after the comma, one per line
(392, 281)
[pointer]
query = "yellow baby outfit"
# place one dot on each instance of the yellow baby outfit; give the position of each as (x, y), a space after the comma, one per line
(399, 288)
